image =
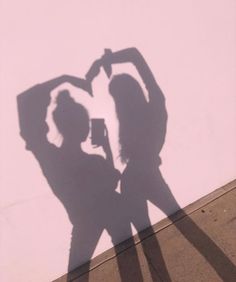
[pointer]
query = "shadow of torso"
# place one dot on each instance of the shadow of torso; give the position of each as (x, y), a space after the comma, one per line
(142, 180)
(84, 183)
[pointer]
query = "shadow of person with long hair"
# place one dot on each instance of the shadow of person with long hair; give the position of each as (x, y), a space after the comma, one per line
(142, 130)
(84, 183)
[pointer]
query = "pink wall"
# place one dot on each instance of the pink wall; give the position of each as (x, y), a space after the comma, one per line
(190, 47)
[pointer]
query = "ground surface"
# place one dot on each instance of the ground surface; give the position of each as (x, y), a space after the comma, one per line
(197, 245)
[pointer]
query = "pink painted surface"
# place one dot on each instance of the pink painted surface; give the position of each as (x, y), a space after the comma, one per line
(190, 47)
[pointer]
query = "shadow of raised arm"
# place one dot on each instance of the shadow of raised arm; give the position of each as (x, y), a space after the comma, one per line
(32, 109)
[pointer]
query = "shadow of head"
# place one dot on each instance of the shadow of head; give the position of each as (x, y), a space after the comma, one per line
(71, 118)
(131, 109)
(127, 94)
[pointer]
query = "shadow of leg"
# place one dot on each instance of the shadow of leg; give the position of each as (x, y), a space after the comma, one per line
(157, 265)
(83, 243)
(208, 248)
(128, 263)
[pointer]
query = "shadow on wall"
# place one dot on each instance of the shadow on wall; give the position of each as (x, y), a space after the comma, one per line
(86, 183)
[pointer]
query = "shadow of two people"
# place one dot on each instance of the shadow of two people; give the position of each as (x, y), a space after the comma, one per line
(86, 183)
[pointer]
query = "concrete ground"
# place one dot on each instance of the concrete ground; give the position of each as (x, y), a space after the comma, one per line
(197, 244)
